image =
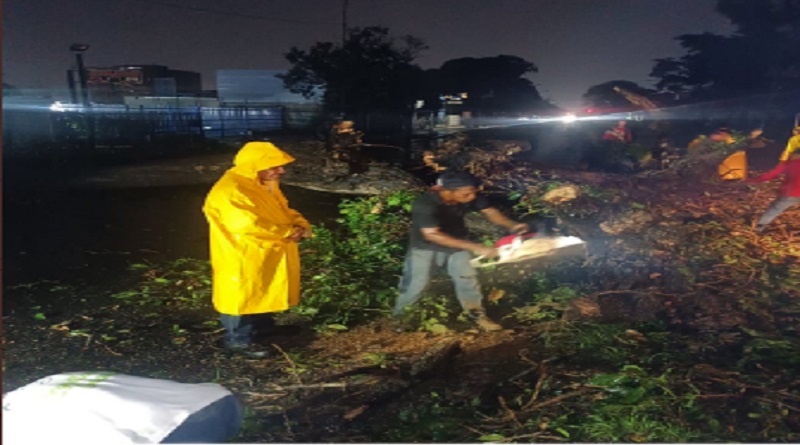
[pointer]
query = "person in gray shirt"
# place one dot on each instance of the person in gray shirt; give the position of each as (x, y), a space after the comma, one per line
(438, 238)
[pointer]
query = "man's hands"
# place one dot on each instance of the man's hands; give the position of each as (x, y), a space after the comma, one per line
(496, 217)
(491, 252)
(486, 252)
(520, 228)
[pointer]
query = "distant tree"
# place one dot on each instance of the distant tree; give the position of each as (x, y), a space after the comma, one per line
(760, 57)
(369, 71)
(604, 96)
(491, 83)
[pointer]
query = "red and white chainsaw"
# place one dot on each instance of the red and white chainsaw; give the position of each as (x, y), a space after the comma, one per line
(516, 248)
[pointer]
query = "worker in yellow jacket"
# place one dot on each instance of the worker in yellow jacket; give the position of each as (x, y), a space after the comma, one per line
(735, 166)
(253, 235)
(793, 145)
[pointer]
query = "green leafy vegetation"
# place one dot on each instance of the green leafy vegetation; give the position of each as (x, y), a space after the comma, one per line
(548, 305)
(609, 383)
(594, 381)
(717, 363)
(350, 272)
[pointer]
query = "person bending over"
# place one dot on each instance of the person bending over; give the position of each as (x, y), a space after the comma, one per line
(438, 239)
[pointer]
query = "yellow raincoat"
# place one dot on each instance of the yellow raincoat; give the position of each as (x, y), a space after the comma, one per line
(733, 167)
(792, 146)
(255, 268)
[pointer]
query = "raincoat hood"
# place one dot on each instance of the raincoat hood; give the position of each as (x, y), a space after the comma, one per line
(257, 156)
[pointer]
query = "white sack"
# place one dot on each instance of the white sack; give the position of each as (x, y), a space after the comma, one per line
(101, 408)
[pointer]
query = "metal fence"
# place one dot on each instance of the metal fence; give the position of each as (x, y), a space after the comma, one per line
(219, 123)
(131, 125)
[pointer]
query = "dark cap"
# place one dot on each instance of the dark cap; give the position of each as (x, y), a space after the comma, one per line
(454, 180)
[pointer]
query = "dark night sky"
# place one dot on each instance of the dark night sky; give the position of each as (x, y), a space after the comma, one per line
(575, 43)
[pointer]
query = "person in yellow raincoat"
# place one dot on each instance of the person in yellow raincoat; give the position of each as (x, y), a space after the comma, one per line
(253, 244)
(735, 166)
(792, 146)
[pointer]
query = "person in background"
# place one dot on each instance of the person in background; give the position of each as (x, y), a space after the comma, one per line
(736, 165)
(733, 167)
(664, 153)
(620, 133)
(345, 145)
(789, 194)
(723, 135)
(253, 240)
(438, 238)
(793, 145)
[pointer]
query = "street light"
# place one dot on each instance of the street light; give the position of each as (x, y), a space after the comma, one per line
(568, 118)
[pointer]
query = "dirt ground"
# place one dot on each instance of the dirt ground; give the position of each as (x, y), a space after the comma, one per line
(68, 249)
(69, 241)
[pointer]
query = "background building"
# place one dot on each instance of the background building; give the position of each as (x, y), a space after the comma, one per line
(111, 85)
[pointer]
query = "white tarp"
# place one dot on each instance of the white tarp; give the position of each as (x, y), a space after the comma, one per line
(101, 408)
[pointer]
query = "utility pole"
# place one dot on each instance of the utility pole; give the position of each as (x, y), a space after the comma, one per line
(344, 21)
(343, 68)
(71, 84)
(78, 49)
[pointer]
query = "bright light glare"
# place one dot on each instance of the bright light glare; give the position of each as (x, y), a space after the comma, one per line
(57, 106)
(568, 118)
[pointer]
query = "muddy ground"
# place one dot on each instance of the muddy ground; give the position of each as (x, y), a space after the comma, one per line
(68, 247)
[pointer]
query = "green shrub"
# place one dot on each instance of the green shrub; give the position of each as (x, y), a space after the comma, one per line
(350, 273)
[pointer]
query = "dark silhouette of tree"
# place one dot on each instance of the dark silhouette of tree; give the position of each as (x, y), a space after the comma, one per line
(603, 95)
(370, 71)
(761, 57)
(493, 84)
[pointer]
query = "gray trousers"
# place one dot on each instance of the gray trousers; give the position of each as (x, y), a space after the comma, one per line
(418, 268)
(777, 207)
